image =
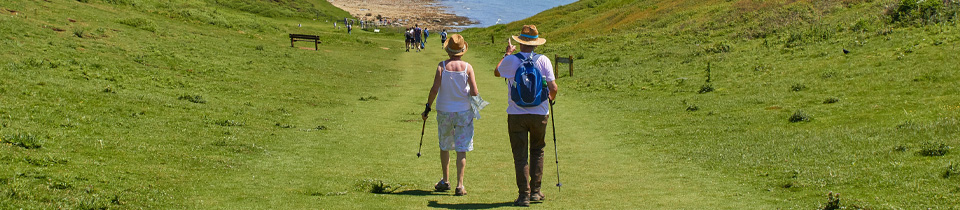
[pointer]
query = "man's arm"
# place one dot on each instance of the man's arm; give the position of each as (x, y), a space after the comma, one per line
(509, 51)
(552, 85)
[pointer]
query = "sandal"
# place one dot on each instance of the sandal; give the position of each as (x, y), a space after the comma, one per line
(460, 192)
(441, 186)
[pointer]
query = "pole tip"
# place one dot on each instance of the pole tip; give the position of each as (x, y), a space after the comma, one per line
(418, 154)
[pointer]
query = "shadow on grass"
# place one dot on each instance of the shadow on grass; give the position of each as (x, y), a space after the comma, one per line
(417, 193)
(436, 204)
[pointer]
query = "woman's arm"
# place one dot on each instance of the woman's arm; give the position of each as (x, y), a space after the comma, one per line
(433, 92)
(472, 81)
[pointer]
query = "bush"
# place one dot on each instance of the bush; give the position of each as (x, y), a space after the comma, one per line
(831, 100)
(229, 123)
(25, 141)
(934, 149)
(377, 186)
(799, 116)
(952, 170)
(195, 99)
(798, 87)
(911, 12)
(705, 89)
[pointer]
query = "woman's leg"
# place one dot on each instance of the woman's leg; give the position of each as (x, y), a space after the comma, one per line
(461, 165)
(444, 163)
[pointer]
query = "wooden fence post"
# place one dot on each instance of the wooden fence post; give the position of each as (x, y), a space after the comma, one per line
(555, 58)
(571, 66)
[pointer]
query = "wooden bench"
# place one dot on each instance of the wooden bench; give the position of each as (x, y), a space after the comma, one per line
(304, 37)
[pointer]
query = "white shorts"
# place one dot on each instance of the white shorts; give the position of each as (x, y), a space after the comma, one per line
(455, 130)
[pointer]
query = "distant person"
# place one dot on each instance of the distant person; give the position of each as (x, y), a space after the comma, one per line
(408, 35)
(335, 25)
(426, 34)
(417, 36)
(443, 37)
(349, 29)
(527, 123)
(458, 103)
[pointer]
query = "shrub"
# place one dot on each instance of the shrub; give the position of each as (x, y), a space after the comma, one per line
(798, 87)
(833, 201)
(952, 170)
(718, 48)
(799, 116)
(705, 89)
(934, 149)
(26, 141)
(692, 108)
(377, 186)
(80, 32)
(831, 100)
(229, 123)
(911, 12)
(193, 98)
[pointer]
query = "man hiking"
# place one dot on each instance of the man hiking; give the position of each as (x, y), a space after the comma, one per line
(443, 37)
(426, 34)
(527, 114)
(408, 38)
(417, 36)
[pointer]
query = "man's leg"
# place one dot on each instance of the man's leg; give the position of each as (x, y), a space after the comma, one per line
(538, 128)
(518, 144)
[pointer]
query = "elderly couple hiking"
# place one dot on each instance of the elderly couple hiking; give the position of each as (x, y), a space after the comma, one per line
(531, 83)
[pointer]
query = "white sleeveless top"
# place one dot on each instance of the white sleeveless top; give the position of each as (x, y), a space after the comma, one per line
(454, 95)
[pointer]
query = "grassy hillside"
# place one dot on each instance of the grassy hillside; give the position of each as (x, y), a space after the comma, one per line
(166, 105)
(202, 104)
(719, 84)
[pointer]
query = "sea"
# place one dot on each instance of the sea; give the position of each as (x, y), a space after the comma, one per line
(492, 12)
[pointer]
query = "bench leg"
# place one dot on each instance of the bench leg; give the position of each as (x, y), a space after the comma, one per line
(291, 42)
(316, 46)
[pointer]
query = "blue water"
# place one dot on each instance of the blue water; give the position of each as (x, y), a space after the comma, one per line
(492, 12)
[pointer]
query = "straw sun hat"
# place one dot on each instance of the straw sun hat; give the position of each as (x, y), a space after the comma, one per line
(529, 36)
(455, 45)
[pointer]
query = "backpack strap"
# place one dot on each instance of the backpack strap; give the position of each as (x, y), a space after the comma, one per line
(520, 56)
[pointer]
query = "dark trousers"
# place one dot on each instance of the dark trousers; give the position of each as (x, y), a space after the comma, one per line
(527, 130)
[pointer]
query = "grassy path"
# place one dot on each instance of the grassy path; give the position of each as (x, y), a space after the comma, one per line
(597, 168)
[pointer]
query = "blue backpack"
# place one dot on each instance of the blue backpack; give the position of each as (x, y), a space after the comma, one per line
(529, 89)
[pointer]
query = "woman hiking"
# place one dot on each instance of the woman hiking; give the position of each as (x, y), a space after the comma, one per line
(458, 102)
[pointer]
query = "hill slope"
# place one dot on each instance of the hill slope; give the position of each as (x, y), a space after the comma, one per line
(719, 84)
(166, 105)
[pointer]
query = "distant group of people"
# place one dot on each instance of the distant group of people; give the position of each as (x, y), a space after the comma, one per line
(416, 37)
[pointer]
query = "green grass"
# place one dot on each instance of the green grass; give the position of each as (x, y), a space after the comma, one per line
(197, 104)
(770, 67)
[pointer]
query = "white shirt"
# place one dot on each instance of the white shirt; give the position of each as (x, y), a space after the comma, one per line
(454, 95)
(508, 69)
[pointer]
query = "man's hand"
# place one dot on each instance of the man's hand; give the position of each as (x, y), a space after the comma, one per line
(510, 47)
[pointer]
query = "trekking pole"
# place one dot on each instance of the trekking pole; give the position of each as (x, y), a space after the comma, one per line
(421, 137)
(556, 159)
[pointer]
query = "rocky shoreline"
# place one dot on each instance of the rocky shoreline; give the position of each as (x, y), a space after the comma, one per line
(402, 13)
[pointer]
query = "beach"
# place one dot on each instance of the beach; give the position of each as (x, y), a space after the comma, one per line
(426, 13)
